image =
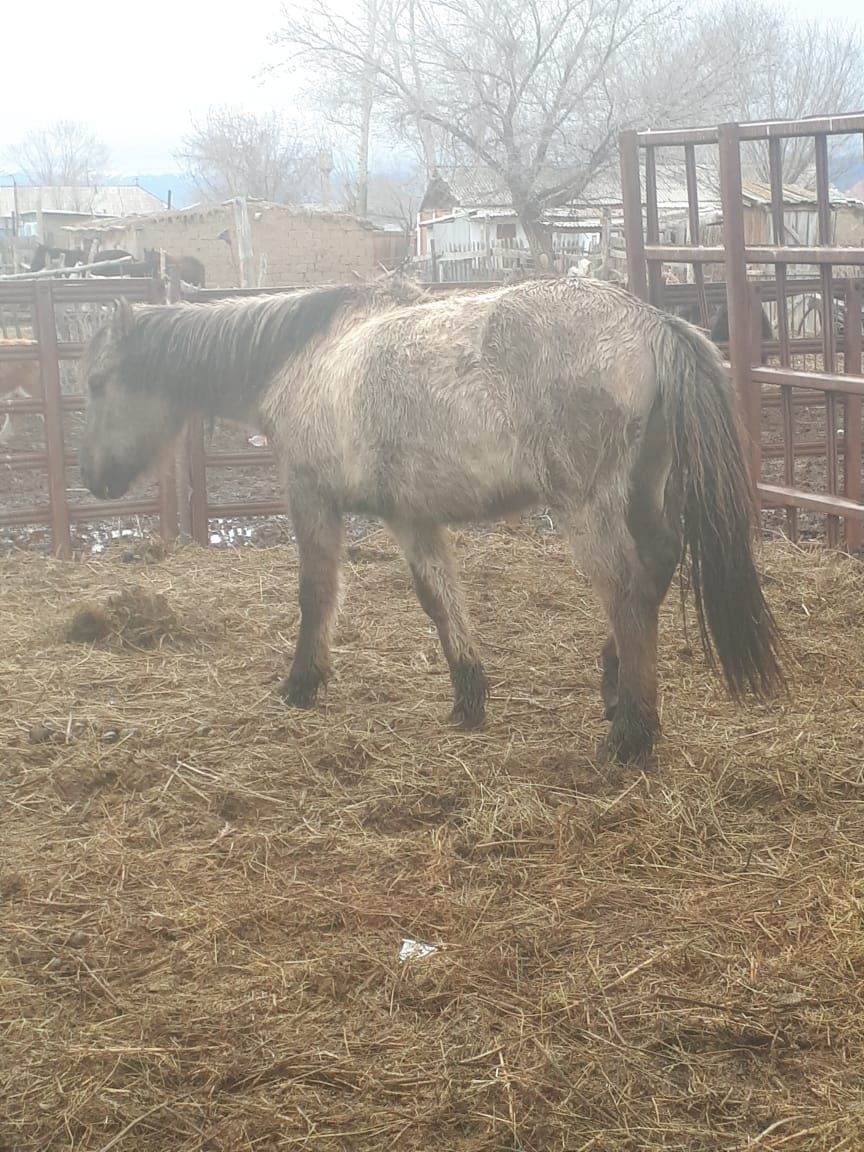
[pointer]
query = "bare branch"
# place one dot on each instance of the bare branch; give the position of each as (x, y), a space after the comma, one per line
(66, 154)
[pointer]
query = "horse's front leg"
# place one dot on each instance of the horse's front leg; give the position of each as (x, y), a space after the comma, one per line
(319, 531)
(633, 711)
(609, 677)
(431, 564)
(606, 551)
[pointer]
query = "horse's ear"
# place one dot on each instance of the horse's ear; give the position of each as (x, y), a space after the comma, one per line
(123, 319)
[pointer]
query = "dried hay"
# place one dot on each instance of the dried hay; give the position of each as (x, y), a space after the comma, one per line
(135, 617)
(201, 922)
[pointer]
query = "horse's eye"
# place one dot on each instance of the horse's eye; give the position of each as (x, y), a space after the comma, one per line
(97, 383)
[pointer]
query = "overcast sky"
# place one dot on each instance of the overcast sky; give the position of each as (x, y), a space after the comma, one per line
(138, 80)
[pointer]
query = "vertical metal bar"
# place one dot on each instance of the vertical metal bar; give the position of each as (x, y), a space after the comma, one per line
(775, 161)
(823, 206)
(754, 303)
(167, 475)
(852, 423)
(631, 193)
(652, 228)
(45, 327)
(168, 497)
(184, 490)
(198, 510)
(736, 292)
(693, 218)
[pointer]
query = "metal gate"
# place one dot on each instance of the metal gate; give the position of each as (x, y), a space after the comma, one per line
(833, 375)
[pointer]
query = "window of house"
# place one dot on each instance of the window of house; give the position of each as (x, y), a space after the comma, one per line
(505, 230)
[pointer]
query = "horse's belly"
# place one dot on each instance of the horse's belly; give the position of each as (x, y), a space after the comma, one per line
(440, 478)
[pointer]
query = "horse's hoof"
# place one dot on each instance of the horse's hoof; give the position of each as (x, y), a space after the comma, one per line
(626, 752)
(612, 752)
(297, 694)
(465, 719)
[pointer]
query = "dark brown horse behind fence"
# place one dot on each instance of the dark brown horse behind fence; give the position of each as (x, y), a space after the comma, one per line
(571, 394)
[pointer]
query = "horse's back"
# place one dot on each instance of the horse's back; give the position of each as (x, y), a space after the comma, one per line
(486, 399)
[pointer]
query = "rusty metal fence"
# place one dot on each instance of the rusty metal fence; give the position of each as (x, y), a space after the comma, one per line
(819, 365)
(47, 322)
(833, 375)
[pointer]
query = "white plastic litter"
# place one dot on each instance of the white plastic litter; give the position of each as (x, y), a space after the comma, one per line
(415, 950)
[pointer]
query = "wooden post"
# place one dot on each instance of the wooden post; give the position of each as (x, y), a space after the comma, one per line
(245, 253)
(45, 327)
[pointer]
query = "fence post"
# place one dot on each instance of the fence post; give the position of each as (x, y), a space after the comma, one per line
(749, 399)
(45, 326)
(245, 252)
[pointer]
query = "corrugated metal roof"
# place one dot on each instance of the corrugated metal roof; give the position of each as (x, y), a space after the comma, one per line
(757, 192)
(107, 200)
(481, 191)
(481, 188)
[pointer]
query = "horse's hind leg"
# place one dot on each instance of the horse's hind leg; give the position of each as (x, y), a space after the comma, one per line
(658, 546)
(437, 587)
(319, 531)
(653, 525)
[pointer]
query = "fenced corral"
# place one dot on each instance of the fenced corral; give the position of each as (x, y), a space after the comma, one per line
(788, 383)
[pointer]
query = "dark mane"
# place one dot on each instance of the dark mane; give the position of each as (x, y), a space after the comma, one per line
(233, 345)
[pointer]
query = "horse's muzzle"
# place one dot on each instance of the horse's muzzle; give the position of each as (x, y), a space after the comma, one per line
(104, 485)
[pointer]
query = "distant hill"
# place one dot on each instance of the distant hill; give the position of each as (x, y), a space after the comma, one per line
(182, 191)
(850, 177)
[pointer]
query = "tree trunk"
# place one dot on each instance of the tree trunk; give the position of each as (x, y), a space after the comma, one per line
(427, 142)
(367, 100)
(539, 236)
(362, 205)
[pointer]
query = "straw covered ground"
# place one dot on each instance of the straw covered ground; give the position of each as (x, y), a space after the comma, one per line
(204, 895)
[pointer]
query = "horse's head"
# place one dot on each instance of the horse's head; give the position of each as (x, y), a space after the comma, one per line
(127, 420)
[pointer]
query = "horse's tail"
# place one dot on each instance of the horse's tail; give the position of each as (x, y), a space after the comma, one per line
(734, 620)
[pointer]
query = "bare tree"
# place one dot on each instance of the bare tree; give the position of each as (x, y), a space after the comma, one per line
(535, 91)
(782, 70)
(65, 154)
(346, 97)
(236, 153)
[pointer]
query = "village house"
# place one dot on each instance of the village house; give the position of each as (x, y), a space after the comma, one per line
(254, 243)
(30, 214)
(467, 228)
